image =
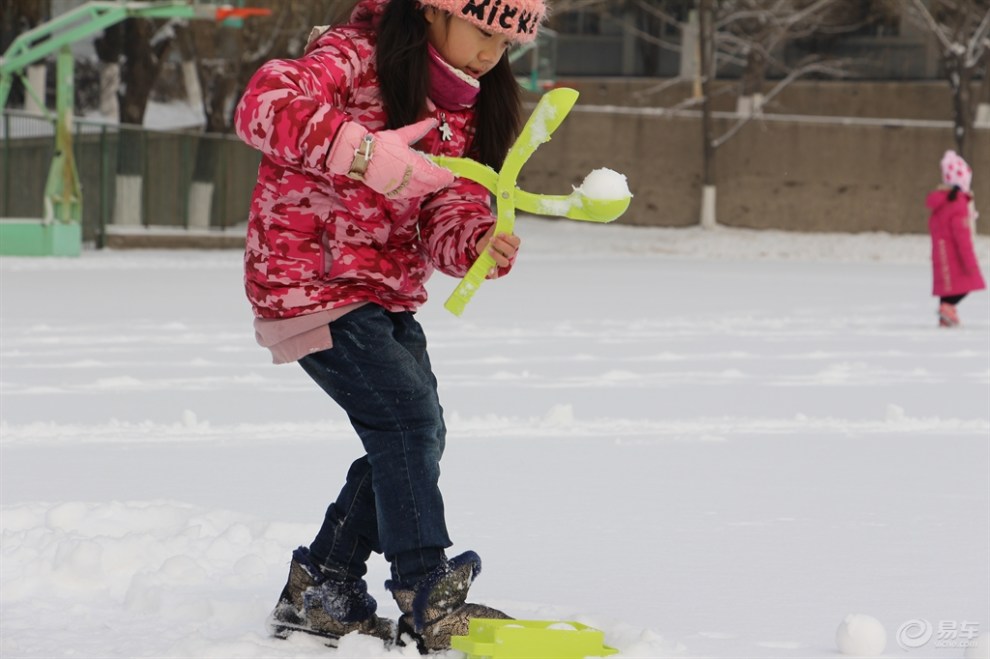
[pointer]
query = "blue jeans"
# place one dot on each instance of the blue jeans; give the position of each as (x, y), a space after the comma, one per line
(379, 372)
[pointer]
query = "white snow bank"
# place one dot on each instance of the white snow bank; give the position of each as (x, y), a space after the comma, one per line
(168, 579)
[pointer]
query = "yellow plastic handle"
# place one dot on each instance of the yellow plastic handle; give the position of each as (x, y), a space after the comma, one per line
(471, 282)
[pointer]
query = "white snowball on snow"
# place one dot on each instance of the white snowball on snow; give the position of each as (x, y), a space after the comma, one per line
(979, 648)
(861, 636)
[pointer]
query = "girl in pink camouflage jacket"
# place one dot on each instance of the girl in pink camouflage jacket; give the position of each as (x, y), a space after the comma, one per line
(955, 268)
(348, 221)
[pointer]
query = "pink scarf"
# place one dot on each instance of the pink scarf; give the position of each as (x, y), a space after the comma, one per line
(451, 88)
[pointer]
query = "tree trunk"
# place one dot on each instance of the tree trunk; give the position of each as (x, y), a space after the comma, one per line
(34, 100)
(17, 16)
(128, 207)
(205, 171)
(750, 99)
(190, 74)
(142, 62)
(755, 72)
(109, 89)
(109, 50)
(983, 102)
(707, 43)
(216, 48)
(140, 70)
(20, 15)
(199, 197)
(960, 79)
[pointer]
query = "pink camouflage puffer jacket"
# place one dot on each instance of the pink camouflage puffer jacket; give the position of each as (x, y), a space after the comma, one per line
(317, 241)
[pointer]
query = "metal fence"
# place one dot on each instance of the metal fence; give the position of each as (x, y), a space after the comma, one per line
(163, 161)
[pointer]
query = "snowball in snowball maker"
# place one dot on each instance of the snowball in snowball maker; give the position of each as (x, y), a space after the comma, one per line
(861, 635)
(605, 184)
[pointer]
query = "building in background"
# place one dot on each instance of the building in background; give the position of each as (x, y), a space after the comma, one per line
(623, 39)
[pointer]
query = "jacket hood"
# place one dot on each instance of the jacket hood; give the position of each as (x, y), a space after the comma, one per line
(938, 198)
(366, 15)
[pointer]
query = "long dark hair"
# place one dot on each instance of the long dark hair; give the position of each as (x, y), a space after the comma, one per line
(404, 79)
(954, 192)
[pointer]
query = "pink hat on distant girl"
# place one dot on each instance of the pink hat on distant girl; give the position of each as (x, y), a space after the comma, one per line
(516, 19)
(956, 172)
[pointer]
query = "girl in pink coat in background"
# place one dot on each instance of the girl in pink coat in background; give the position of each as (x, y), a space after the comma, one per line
(952, 224)
(348, 221)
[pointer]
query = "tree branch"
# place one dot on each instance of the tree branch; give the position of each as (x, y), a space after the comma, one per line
(814, 67)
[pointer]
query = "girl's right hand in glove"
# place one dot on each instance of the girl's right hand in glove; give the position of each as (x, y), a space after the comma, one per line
(385, 162)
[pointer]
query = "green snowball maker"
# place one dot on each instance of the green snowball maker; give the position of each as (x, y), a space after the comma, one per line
(602, 197)
(530, 639)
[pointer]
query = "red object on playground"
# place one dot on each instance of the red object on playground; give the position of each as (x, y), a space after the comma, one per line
(225, 12)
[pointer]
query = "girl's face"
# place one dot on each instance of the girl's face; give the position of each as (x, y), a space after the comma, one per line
(464, 45)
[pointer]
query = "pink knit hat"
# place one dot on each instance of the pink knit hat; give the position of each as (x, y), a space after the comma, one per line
(955, 171)
(516, 19)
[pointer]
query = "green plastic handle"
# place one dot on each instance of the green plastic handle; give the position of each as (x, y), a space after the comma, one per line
(574, 206)
(471, 169)
(472, 281)
(549, 113)
(546, 118)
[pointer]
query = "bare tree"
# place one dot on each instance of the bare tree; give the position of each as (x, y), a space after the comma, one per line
(962, 30)
(210, 54)
(225, 58)
(647, 20)
(17, 16)
(706, 41)
(750, 35)
(983, 100)
(131, 54)
(285, 32)
(753, 33)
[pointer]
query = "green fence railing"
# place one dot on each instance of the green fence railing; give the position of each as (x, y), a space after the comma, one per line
(110, 158)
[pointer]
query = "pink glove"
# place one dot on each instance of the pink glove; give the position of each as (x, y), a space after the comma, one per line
(385, 161)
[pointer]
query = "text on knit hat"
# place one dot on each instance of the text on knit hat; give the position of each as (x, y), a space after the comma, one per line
(518, 20)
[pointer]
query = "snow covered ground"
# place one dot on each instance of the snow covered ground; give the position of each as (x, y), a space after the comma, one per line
(703, 443)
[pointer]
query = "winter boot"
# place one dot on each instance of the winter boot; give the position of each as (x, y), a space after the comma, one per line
(314, 603)
(435, 609)
(947, 315)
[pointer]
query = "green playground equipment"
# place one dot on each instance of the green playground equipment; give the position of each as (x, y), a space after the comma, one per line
(59, 232)
(530, 639)
(582, 204)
